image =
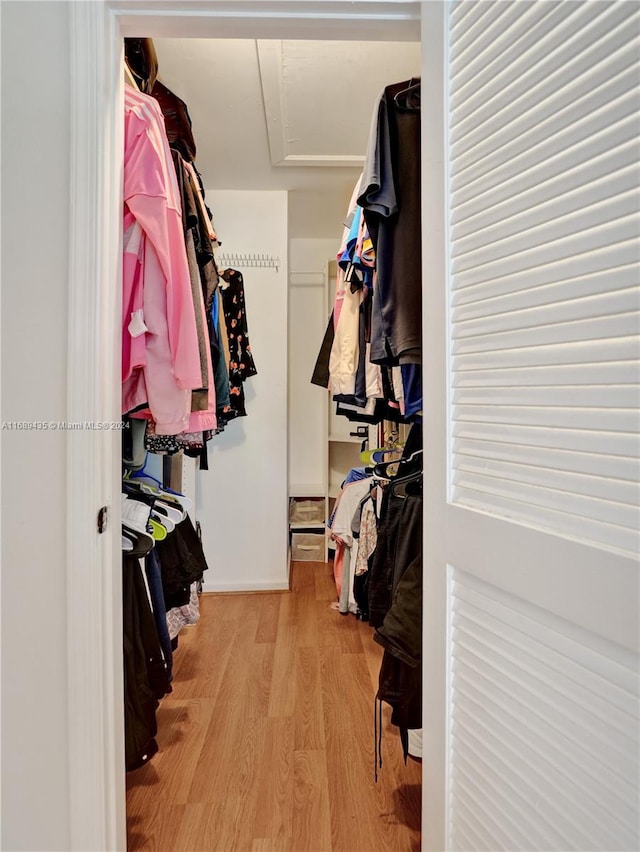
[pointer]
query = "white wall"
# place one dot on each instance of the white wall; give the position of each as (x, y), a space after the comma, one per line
(242, 498)
(308, 312)
(35, 238)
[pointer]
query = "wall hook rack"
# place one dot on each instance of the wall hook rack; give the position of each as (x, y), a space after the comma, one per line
(261, 261)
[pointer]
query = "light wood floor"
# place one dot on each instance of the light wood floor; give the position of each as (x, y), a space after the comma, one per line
(266, 743)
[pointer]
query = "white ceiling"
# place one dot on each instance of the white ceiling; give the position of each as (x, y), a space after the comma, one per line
(291, 115)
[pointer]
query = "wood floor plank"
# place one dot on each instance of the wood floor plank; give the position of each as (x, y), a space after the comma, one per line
(329, 626)
(268, 621)
(274, 811)
(204, 650)
(303, 577)
(182, 727)
(228, 785)
(188, 837)
(282, 695)
(267, 844)
(344, 792)
(325, 583)
(225, 746)
(312, 820)
(266, 742)
(341, 630)
(308, 713)
(307, 626)
(156, 828)
(256, 677)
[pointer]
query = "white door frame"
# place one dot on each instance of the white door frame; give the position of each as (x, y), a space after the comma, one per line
(95, 695)
(434, 173)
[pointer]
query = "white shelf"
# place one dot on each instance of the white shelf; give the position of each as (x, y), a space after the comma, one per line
(341, 439)
(313, 490)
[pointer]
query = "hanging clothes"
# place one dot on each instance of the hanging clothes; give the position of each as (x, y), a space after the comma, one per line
(390, 197)
(161, 358)
(400, 677)
(377, 310)
(145, 676)
(241, 364)
(177, 120)
(341, 531)
(182, 562)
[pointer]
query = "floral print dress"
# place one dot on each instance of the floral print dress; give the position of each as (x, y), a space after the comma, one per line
(241, 364)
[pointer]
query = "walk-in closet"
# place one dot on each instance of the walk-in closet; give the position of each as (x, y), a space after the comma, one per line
(204, 611)
(275, 707)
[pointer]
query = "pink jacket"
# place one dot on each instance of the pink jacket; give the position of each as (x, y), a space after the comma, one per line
(161, 359)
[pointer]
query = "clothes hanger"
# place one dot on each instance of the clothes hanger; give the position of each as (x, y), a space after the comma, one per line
(142, 59)
(161, 514)
(134, 514)
(400, 98)
(129, 77)
(158, 531)
(373, 456)
(150, 485)
(383, 470)
(173, 511)
(142, 543)
(392, 445)
(411, 484)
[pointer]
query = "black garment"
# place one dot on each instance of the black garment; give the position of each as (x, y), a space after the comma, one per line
(361, 595)
(400, 679)
(408, 542)
(133, 451)
(395, 230)
(414, 441)
(177, 120)
(142, 59)
(361, 372)
(145, 676)
(154, 581)
(399, 531)
(241, 364)
(182, 562)
(203, 244)
(320, 375)
(382, 561)
(190, 222)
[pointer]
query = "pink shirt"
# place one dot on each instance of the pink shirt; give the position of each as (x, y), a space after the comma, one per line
(161, 358)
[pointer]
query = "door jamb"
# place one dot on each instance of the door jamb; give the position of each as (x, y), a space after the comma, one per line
(94, 595)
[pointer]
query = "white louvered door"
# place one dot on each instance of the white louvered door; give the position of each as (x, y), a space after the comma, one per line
(531, 322)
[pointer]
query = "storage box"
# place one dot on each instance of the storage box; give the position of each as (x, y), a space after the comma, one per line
(308, 512)
(307, 547)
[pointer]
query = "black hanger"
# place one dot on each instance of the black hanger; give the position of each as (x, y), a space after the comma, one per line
(142, 543)
(409, 99)
(382, 468)
(411, 484)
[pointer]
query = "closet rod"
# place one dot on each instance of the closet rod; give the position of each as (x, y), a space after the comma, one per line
(263, 261)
